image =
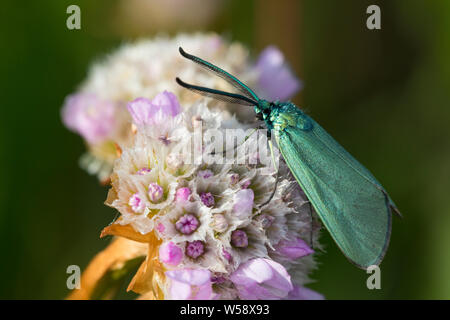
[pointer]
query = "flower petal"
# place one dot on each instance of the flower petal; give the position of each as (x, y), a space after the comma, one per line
(243, 203)
(262, 279)
(293, 249)
(276, 79)
(167, 102)
(126, 231)
(141, 110)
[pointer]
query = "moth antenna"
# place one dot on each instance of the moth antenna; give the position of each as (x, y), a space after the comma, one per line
(245, 90)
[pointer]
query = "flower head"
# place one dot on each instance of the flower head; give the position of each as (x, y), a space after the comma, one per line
(201, 222)
(230, 234)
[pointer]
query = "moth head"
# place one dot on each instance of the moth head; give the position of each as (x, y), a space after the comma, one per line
(263, 105)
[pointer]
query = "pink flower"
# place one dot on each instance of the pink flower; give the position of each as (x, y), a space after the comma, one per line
(293, 249)
(143, 110)
(205, 174)
(276, 79)
(182, 195)
(160, 227)
(167, 102)
(155, 192)
(170, 253)
(243, 203)
(302, 293)
(89, 116)
(187, 224)
(136, 203)
(262, 279)
(239, 239)
(195, 249)
(207, 199)
(190, 284)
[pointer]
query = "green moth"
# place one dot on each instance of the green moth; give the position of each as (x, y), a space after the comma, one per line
(352, 204)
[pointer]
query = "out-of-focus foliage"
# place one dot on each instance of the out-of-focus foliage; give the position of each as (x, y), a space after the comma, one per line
(382, 94)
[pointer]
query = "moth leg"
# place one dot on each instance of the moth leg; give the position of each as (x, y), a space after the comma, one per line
(269, 135)
(311, 242)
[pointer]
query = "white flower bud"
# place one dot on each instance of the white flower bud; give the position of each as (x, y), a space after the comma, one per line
(219, 223)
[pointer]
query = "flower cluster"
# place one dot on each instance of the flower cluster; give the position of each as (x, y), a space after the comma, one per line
(206, 230)
(97, 111)
(216, 237)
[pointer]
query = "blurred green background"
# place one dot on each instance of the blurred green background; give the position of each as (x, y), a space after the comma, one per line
(383, 94)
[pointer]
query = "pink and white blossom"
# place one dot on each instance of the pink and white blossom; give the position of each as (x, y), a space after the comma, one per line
(190, 284)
